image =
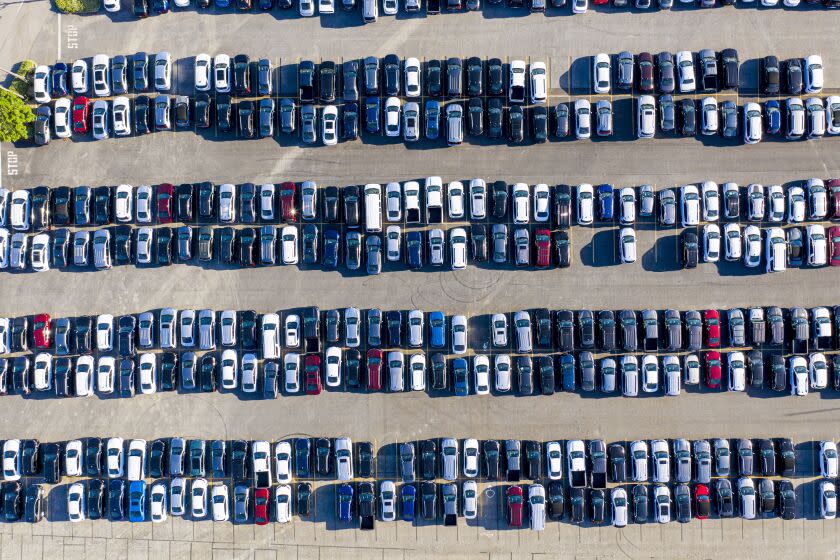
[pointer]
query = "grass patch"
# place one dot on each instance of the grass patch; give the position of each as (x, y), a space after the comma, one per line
(78, 6)
(25, 69)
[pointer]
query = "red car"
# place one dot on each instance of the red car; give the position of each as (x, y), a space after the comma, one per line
(702, 501)
(712, 320)
(261, 501)
(163, 196)
(374, 366)
(514, 506)
(80, 114)
(542, 243)
(287, 202)
(713, 376)
(834, 240)
(41, 331)
(833, 188)
(312, 371)
(645, 62)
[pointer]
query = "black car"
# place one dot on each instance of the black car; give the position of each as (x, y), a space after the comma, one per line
(556, 501)
(140, 8)
(303, 452)
(475, 77)
(93, 456)
(561, 120)
(21, 375)
(123, 250)
(116, 499)
(475, 117)
(787, 500)
(688, 117)
(142, 114)
(524, 375)
(167, 371)
(428, 499)
(196, 459)
(126, 335)
(439, 372)
(207, 373)
(454, 74)
(577, 505)
(247, 243)
(206, 201)
(597, 504)
(365, 459)
(52, 462)
(350, 80)
(20, 334)
(224, 112)
(247, 203)
(30, 457)
(434, 79)
(499, 194)
(428, 459)
(478, 237)
(241, 74)
(126, 378)
(184, 202)
(102, 206)
(12, 501)
(545, 367)
(60, 250)
(245, 111)
(793, 76)
(61, 202)
(533, 456)
(391, 69)
(516, 124)
(33, 506)
(157, 459)
(770, 75)
(327, 81)
(4, 375)
(306, 81)
(787, 458)
(303, 499)
(539, 124)
(565, 324)
(95, 499)
(309, 244)
(81, 205)
(352, 212)
(40, 208)
(542, 322)
(350, 121)
(562, 249)
(414, 249)
(495, 112)
(238, 459)
(352, 367)
(372, 115)
(202, 107)
(495, 74)
(248, 329)
(393, 321)
(730, 68)
(323, 452)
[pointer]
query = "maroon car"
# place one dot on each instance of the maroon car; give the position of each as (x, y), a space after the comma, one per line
(312, 374)
(374, 367)
(833, 187)
(645, 62)
(287, 202)
(542, 245)
(163, 198)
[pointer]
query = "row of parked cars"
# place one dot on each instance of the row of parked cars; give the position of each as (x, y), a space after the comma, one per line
(415, 202)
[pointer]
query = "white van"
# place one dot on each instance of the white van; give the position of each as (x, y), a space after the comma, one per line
(373, 208)
(370, 10)
(271, 336)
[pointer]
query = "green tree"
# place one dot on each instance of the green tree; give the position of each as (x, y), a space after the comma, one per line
(15, 116)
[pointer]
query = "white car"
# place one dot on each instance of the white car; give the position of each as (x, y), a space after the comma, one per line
(84, 376)
(283, 503)
(690, 203)
(650, 374)
(796, 205)
(554, 460)
(219, 498)
(389, 7)
(79, 77)
(832, 108)
(639, 461)
(522, 324)
(157, 502)
(221, 73)
(19, 210)
(306, 8)
(283, 461)
(5, 335)
(752, 246)
(601, 71)
(228, 365)
(11, 460)
(776, 250)
(326, 6)
(499, 325)
(516, 81)
(40, 253)
(455, 199)
(148, 373)
(393, 242)
(711, 243)
(202, 71)
(813, 73)
(143, 204)
(478, 199)
(73, 458)
(4, 255)
(828, 500)
(746, 490)
(732, 241)
(691, 369)
(393, 202)
(123, 203)
(392, 117)
(471, 466)
(412, 77)
(99, 120)
(816, 245)
(459, 334)
(502, 372)
(627, 245)
(828, 459)
(111, 5)
(583, 119)
(352, 333)
(470, 505)
(41, 84)
(292, 331)
(105, 374)
(198, 498)
(520, 194)
(135, 468)
(332, 360)
(661, 504)
(737, 371)
(227, 206)
(710, 115)
(227, 327)
(481, 375)
(756, 202)
(798, 370)
(539, 82)
(101, 75)
(818, 370)
(585, 204)
(711, 201)
(579, 6)
(114, 457)
(121, 116)
(163, 71)
(627, 206)
(291, 369)
(61, 118)
(536, 505)
(329, 125)
(817, 199)
(343, 458)
(387, 500)
(671, 375)
(541, 202)
(618, 505)
(753, 124)
(396, 368)
(458, 248)
(289, 237)
(685, 71)
(309, 200)
(76, 502)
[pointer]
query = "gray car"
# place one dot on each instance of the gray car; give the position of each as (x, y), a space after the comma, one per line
(625, 70)
(522, 247)
(61, 328)
(667, 114)
(722, 456)
(608, 372)
(694, 330)
(777, 325)
(177, 445)
(667, 207)
(702, 461)
(145, 326)
(207, 329)
(513, 456)
(629, 337)
(587, 371)
(268, 243)
(240, 503)
(407, 461)
(746, 457)
(673, 328)
(737, 331)
(449, 458)
(449, 494)
(729, 119)
(162, 109)
(758, 326)
(167, 325)
(682, 460)
(308, 124)
(287, 115)
(665, 65)
(185, 243)
(373, 254)
(500, 236)
(205, 243)
(650, 324)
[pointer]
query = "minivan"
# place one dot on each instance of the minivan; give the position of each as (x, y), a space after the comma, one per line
(373, 207)
(370, 10)
(646, 117)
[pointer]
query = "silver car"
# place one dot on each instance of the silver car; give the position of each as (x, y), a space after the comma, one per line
(352, 333)
(308, 127)
(682, 460)
(415, 328)
(667, 207)
(206, 329)
(500, 236)
(166, 328)
(703, 461)
(449, 458)
(227, 320)
(522, 244)
(522, 324)
(145, 328)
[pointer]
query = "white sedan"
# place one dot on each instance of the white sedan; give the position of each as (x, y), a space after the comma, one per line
(283, 503)
(627, 245)
(289, 236)
(711, 243)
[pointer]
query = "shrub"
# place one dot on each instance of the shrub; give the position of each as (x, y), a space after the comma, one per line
(15, 116)
(25, 69)
(78, 6)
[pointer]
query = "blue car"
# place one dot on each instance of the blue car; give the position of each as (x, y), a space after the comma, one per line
(460, 376)
(432, 119)
(414, 249)
(605, 202)
(567, 372)
(345, 502)
(407, 494)
(372, 112)
(773, 117)
(137, 501)
(332, 245)
(59, 80)
(437, 327)
(222, 3)
(160, 6)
